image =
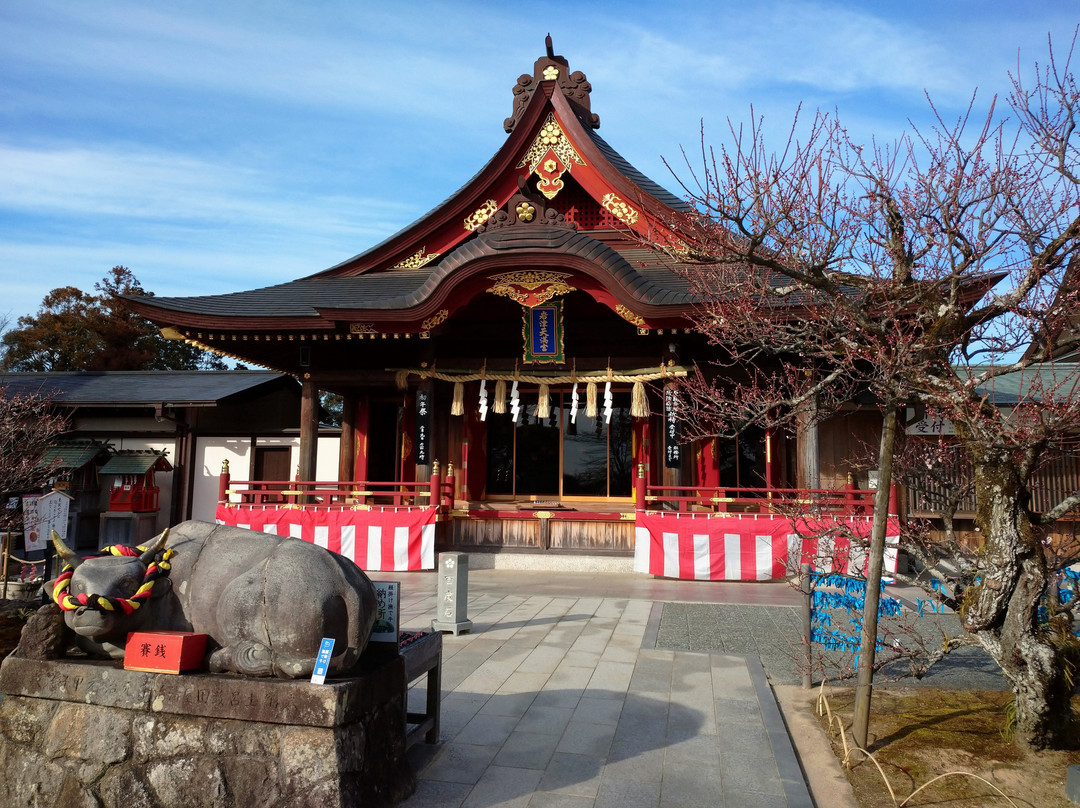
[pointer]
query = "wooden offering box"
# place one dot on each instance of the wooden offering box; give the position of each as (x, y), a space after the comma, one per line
(164, 651)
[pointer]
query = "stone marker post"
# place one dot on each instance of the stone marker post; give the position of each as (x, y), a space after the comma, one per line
(451, 609)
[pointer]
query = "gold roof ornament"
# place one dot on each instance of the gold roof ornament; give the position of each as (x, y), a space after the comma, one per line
(550, 156)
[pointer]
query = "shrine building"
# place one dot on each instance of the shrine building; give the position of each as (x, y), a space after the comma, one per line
(505, 363)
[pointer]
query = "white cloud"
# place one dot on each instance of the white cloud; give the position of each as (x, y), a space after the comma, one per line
(176, 188)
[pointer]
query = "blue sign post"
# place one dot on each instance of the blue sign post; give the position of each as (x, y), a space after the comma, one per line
(322, 662)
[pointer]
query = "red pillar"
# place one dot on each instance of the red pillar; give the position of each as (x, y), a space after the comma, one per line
(223, 483)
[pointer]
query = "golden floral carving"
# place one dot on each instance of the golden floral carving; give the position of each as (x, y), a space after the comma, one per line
(416, 260)
(435, 319)
(623, 212)
(551, 73)
(628, 315)
(362, 328)
(531, 287)
(525, 212)
(550, 156)
(481, 214)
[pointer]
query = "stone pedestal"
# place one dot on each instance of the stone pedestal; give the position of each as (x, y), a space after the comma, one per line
(453, 598)
(126, 527)
(76, 733)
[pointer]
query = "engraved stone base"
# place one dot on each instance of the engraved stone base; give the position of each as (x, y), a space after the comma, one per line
(75, 733)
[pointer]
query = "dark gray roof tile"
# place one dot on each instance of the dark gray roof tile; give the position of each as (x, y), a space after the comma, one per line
(135, 388)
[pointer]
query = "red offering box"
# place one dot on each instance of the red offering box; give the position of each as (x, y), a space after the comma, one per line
(164, 651)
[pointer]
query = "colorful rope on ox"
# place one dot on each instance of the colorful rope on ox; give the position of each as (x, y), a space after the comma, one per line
(154, 571)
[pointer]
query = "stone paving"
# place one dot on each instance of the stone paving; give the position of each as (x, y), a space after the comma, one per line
(769, 632)
(559, 696)
(772, 633)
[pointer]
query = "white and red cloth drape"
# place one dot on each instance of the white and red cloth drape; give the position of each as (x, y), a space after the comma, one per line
(705, 547)
(386, 540)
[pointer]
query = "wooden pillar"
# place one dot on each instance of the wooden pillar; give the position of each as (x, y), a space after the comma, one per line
(347, 448)
(361, 464)
(309, 429)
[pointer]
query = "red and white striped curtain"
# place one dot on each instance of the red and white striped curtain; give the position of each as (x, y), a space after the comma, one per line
(388, 540)
(746, 548)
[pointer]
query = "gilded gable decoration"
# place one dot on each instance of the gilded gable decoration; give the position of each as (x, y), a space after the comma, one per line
(531, 287)
(481, 214)
(418, 259)
(629, 316)
(525, 210)
(437, 318)
(573, 85)
(619, 209)
(550, 156)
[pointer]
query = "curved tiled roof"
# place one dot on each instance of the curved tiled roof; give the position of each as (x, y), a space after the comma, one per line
(301, 298)
(655, 285)
(406, 288)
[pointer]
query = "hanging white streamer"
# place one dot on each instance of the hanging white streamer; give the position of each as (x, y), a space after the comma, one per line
(515, 406)
(607, 402)
(573, 404)
(483, 400)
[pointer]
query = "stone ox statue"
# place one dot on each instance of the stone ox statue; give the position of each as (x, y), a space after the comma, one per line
(265, 601)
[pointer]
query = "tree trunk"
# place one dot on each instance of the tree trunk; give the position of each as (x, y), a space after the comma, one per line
(1001, 609)
(874, 563)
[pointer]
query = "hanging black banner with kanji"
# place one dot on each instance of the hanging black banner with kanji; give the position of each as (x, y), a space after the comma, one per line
(423, 427)
(672, 429)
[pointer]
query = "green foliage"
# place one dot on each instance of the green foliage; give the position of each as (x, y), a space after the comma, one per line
(332, 405)
(74, 330)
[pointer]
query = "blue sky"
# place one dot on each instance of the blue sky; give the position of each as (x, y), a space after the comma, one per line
(213, 146)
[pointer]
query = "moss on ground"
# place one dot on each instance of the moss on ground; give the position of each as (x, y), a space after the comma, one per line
(917, 734)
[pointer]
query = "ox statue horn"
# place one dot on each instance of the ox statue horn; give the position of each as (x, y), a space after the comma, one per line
(155, 548)
(70, 557)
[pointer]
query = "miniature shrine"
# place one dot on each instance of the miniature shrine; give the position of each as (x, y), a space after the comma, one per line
(508, 365)
(133, 496)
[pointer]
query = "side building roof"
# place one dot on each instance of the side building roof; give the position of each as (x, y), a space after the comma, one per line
(176, 388)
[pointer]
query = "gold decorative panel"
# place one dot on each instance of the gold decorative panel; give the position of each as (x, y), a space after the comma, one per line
(481, 214)
(623, 212)
(628, 315)
(362, 328)
(416, 260)
(531, 287)
(435, 319)
(550, 156)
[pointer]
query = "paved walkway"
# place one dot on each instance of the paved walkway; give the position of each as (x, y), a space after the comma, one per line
(560, 697)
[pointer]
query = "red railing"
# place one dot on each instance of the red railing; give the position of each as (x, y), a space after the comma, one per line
(849, 501)
(437, 491)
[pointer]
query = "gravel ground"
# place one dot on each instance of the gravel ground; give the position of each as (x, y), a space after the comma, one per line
(772, 633)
